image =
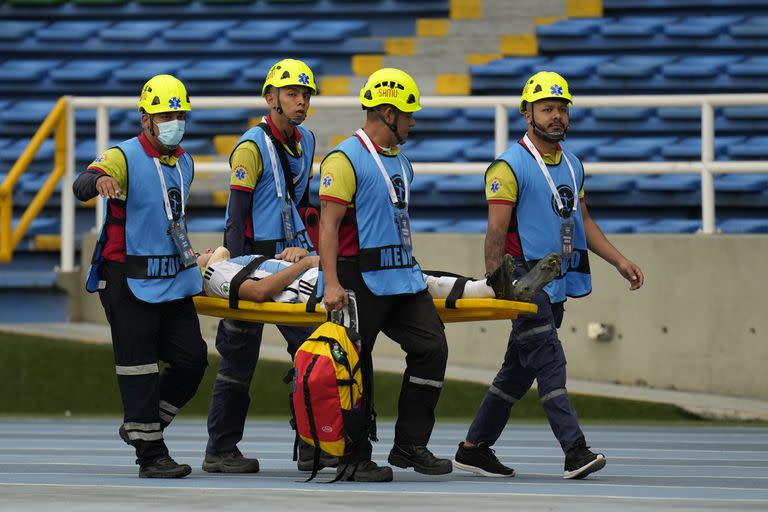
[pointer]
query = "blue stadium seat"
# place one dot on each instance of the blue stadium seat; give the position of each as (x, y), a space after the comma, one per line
(437, 114)
(753, 113)
(198, 31)
(751, 149)
(216, 71)
(70, 31)
(424, 183)
(573, 67)
(670, 183)
(563, 35)
(262, 31)
(14, 31)
(634, 148)
(140, 71)
(670, 226)
(439, 150)
(135, 31)
(610, 183)
(10, 153)
(25, 71)
(637, 114)
(329, 31)
(633, 26)
(616, 226)
(689, 148)
(744, 226)
(743, 183)
(585, 147)
(483, 152)
(704, 27)
(699, 66)
(509, 67)
(29, 112)
(751, 27)
(754, 66)
(633, 66)
(88, 71)
(463, 183)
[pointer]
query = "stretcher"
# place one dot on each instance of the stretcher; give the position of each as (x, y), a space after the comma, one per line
(466, 310)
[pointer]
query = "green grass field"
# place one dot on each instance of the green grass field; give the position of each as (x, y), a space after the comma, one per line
(48, 377)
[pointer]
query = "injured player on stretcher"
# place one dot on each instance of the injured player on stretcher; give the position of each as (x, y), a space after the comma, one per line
(291, 277)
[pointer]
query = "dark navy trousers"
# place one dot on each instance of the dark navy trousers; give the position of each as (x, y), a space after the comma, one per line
(239, 344)
(533, 352)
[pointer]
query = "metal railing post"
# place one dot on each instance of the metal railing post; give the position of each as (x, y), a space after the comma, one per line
(501, 127)
(707, 157)
(67, 198)
(102, 141)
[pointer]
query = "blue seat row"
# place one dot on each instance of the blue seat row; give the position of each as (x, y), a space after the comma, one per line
(210, 37)
(627, 74)
(609, 225)
(692, 33)
(383, 10)
(54, 77)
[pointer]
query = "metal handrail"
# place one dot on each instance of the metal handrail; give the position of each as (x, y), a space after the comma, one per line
(11, 236)
(706, 166)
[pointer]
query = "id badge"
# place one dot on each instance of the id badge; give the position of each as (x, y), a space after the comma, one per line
(404, 227)
(286, 213)
(182, 243)
(566, 237)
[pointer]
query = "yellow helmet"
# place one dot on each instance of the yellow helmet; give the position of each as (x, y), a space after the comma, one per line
(390, 86)
(542, 85)
(164, 93)
(289, 72)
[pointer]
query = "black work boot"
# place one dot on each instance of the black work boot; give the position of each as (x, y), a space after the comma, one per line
(164, 467)
(365, 471)
(580, 461)
(229, 462)
(420, 459)
(545, 270)
(307, 458)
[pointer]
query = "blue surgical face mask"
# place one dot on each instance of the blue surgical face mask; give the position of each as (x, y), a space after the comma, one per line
(171, 132)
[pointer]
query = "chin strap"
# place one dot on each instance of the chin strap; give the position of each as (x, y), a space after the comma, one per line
(392, 126)
(550, 137)
(279, 110)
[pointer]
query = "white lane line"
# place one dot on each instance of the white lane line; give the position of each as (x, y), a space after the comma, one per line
(347, 490)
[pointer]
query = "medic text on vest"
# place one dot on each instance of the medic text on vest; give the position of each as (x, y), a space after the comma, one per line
(163, 266)
(394, 257)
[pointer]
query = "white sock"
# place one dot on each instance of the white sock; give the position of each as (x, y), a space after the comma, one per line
(440, 287)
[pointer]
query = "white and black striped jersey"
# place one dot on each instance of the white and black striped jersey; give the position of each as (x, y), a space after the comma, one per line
(218, 276)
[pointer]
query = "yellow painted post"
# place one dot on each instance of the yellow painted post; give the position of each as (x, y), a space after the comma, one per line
(10, 237)
(5, 225)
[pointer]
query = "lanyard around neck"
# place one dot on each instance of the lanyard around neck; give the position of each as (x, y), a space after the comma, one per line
(375, 154)
(166, 201)
(275, 172)
(548, 176)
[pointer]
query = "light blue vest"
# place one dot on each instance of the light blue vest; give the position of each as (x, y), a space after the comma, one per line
(538, 222)
(152, 265)
(388, 268)
(268, 232)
